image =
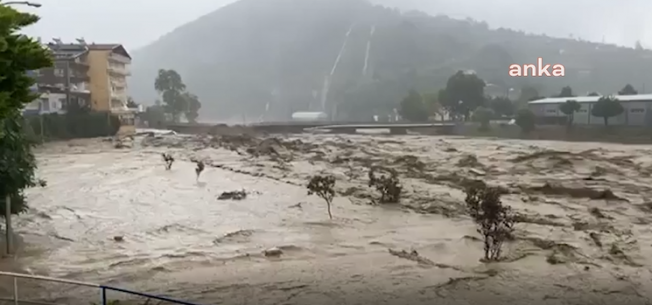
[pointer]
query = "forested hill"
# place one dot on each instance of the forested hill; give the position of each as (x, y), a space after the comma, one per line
(254, 52)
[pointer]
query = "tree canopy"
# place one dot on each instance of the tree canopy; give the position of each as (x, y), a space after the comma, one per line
(18, 54)
(607, 107)
(569, 108)
(628, 90)
(464, 92)
(175, 97)
(413, 108)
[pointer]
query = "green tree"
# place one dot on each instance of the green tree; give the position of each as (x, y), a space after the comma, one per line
(413, 108)
(607, 107)
(464, 93)
(528, 93)
(18, 54)
(483, 115)
(502, 106)
(569, 108)
(193, 104)
(628, 90)
(566, 92)
(131, 103)
(432, 103)
(171, 87)
(525, 119)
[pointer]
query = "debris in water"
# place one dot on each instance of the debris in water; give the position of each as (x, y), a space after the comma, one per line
(233, 195)
(118, 238)
(273, 252)
(413, 256)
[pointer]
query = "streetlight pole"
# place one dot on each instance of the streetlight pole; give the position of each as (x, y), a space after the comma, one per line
(32, 4)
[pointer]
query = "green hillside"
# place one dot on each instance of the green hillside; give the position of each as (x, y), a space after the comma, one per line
(254, 52)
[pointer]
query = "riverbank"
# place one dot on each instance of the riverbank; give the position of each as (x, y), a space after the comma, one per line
(572, 244)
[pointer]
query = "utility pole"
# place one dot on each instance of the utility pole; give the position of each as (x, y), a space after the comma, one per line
(66, 74)
(9, 229)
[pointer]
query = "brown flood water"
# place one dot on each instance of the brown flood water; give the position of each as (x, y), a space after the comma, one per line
(574, 242)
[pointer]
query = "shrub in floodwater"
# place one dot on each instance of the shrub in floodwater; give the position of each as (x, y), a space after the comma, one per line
(324, 187)
(495, 221)
(389, 187)
(168, 160)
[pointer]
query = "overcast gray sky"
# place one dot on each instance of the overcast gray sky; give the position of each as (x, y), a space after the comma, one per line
(135, 23)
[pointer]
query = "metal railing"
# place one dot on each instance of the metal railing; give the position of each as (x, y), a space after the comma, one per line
(103, 289)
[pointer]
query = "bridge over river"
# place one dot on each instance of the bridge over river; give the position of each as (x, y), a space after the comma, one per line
(327, 127)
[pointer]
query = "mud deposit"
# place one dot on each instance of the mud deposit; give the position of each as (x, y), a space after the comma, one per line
(583, 232)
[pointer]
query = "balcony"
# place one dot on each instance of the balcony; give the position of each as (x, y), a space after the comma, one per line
(119, 58)
(82, 87)
(122, 70)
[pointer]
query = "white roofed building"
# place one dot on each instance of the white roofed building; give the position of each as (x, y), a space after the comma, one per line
(309, 116)
(638, 110)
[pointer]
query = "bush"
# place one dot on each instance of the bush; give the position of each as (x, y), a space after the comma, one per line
(389, 187)
(495, 221)
(525, 119)
(70, 126)
(324, 187)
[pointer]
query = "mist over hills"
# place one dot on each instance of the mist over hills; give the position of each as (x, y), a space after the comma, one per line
(254, 53)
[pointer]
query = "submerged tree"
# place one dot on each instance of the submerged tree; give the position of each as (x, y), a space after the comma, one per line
(494, 220)
(389, 187)
(18, 54)
(324, 187)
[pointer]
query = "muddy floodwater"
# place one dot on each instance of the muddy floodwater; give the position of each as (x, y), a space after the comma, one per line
(117, 216)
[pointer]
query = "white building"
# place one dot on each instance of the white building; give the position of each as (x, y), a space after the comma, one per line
(638, 110)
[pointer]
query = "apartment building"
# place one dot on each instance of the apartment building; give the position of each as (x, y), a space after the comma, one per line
(88, 74)
(65, 83)
(109, 69)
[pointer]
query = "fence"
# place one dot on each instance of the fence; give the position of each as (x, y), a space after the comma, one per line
(103, 290)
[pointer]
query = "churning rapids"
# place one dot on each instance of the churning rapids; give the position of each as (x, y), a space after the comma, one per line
(583, 233)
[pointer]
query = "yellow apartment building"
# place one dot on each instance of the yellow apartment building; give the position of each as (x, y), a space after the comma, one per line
(109, 67)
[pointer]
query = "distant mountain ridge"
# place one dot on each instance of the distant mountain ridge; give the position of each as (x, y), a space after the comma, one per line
(254, 55)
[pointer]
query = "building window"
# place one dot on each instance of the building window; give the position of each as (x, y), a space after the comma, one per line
(551, 111)
(45, 104)
(583, 111)
(58, 72)
(637, 110)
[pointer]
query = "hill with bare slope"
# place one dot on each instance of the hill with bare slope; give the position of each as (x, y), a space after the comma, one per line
(254, 53)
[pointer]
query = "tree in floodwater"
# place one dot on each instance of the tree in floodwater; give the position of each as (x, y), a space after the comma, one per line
(18, 55)
(324, 187)
(494, 220)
